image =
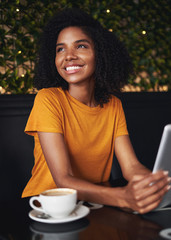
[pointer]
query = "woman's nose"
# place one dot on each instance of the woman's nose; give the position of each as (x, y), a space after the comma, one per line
(70, 55)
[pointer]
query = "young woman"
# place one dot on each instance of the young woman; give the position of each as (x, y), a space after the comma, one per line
(78, 122)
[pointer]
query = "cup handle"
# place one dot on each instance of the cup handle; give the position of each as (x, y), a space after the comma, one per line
(32, 199)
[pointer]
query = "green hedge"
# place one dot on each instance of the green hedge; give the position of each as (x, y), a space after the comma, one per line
(143, 25)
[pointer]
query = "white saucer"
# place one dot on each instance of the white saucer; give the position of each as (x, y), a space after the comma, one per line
(80, 212)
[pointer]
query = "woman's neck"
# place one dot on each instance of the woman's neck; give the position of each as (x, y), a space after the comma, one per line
(83, 93)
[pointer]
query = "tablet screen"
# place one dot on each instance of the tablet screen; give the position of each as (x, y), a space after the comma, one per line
(163, 160)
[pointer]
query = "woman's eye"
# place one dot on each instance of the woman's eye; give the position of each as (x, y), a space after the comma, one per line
(82, 46)
(59, 50)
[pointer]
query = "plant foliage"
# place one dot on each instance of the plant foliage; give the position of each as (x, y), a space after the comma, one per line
(143, 25)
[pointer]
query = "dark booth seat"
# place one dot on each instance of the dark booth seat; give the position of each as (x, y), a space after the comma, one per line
(16, 148)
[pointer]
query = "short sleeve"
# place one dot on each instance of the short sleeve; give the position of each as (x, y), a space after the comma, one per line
(46, 114)
(121, 123)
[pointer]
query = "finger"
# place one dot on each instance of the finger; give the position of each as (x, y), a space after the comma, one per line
(153, 200)
(149, 208)
(150, 179)
(153, 188)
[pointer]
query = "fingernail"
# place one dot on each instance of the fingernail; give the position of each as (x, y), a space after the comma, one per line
(168, 187)
(169, 179)
(166, 172)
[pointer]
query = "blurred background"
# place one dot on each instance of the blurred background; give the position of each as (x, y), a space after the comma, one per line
(143, 25)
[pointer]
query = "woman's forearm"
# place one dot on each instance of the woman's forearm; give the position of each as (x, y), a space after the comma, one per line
(94, 193)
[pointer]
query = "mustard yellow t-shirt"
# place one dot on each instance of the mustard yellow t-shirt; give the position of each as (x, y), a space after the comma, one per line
(89, 134)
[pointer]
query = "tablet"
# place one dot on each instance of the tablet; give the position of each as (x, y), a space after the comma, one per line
(163, 161)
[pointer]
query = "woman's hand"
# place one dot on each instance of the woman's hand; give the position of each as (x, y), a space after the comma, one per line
(144, 193)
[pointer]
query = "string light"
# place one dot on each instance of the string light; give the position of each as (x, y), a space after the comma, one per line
(108, 10)
(19, 52)
(17, 9)
(144, 32)
(110, 30)
(22, 75)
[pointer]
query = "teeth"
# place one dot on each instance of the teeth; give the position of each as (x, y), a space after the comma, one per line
(72, 68)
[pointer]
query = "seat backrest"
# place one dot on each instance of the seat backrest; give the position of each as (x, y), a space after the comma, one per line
(16, 148)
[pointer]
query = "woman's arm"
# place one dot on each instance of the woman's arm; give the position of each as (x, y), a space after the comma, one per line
(127, 159)
(140, 193)
(57, 157)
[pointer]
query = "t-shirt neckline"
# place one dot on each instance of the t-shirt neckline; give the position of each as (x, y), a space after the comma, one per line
(82, 105)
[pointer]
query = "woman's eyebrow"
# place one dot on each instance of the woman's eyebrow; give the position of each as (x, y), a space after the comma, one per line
(82, 40)
(59, 44)
(77, 41)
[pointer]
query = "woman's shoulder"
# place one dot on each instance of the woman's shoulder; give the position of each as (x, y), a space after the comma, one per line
(115, 100)
(49, 99)
(49, 93)
(113, 104)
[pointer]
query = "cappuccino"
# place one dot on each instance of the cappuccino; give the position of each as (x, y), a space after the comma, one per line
(56, 193)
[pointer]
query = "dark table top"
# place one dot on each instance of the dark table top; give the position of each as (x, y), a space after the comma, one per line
(103, 224)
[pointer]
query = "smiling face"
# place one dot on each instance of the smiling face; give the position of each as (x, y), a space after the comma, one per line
(75, 56)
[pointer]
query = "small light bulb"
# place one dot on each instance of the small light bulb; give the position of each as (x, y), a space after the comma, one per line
(17, 9)
(108, 10)
(19, 52)
(22, 75)
(144, 32)
(110, 30)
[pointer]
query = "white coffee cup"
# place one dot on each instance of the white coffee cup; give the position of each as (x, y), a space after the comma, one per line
(58, 202)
